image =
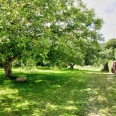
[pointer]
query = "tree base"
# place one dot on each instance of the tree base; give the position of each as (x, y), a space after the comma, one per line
(10, 77)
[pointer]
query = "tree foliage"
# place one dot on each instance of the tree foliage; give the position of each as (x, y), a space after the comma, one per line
(111, 43)
(108, 53)
(56, 30)
(92, 53)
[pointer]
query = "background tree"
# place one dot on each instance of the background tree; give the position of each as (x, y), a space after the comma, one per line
(92, 53)
(108, 53)
(111, 44)
(77, 25)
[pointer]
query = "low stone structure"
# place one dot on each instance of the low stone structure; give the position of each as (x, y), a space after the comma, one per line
(114, 67)
(21, 79)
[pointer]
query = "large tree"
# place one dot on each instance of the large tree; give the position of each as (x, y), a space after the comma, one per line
(22, 24)
(77, 27)
(35, 27)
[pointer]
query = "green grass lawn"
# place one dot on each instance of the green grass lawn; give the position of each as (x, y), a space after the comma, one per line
(58, 93)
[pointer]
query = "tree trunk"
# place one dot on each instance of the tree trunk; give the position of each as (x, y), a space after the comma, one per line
(114, 67)
(7, 65)
(8, 69)
(71, 66)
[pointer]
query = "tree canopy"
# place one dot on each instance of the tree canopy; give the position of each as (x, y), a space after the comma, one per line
(57, 30)
(111, 43)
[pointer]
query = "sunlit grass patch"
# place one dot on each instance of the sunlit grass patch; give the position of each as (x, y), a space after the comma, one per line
(103, 95)
(45, 93)
(58, 93)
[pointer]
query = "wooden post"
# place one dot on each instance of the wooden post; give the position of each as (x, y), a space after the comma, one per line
(114, 67)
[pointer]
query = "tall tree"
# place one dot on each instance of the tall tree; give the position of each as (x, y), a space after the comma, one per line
(22, 24)
(76, 27)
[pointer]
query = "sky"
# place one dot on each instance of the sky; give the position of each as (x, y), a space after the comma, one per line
(105, 9)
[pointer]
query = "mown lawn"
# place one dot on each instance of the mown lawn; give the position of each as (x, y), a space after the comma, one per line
(59, 93)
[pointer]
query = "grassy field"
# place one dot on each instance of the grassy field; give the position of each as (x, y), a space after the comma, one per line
(58, 93)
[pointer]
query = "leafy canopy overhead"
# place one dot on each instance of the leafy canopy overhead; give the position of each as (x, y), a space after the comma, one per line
(43, 26)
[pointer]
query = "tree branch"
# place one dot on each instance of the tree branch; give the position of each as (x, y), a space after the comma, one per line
(11, 59)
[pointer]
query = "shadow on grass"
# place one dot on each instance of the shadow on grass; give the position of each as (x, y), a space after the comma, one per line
(54, 93)
(45, 94)
(102, 95)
